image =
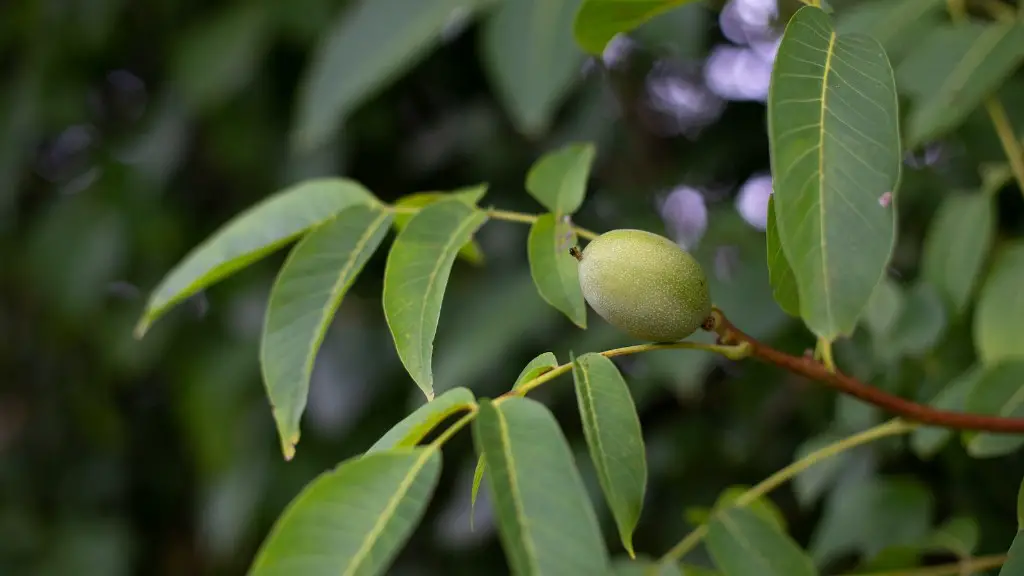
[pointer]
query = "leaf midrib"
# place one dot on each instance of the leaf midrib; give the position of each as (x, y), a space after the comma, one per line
(513, 488)
(826, 282)
(389, 511)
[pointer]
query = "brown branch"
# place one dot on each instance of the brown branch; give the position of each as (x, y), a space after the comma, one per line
(808, 367)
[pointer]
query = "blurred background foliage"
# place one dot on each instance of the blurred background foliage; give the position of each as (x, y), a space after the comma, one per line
(130, 131)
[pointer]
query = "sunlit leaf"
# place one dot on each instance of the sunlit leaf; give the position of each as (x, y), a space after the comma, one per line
(544, 516)
(371, 43)
(415, 277)
(555, 272)
(956, 244)
(872, 515)
(835, 152)
(558, 179)
(471, 251)
(531, 59)
(780, 275)
(1000, 310)
(742, 543)
(544, 362)
(413, 428)
(612, 430)
(926, 441)
(999, 391)
(305, 296)
(950, 72)
(218, 57)
(251, 235)
(598, 21)
(353, 519)
(897, 24)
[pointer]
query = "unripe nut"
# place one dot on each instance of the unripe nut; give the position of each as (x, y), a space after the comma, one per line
(644, 284)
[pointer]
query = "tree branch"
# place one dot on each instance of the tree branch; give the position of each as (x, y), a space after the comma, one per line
(728, 334)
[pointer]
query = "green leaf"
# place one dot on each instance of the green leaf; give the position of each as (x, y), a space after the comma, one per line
(303, 301)
(219, 56)
(958, 239)
(531, 59)
(545, 362)
(950, 72)
(414, 427)
(1014, 565)
(897, 24)
(884, 307)
(999, 391)
(612, 429)
(1020, 506)
(478, 476)
(762, 506)
(353, 519)
(742, 543)
(598, 21)
(835, 152)
(558, 179)
(921, 322)
(810, 484)
(555, 272)
(369, 45)
(872, 515)
(251, 235)
(415, 277)
(780, 275)
(470, 251)
(1000, 309)
(544, 516)
(926, 441)
(958, 535)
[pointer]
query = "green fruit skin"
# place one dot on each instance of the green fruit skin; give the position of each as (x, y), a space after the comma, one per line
(645, 285)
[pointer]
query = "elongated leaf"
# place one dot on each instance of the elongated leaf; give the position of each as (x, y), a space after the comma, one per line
(558, 179)
(251, 235)
(835, 152)
(414, 427)
(1000, 309)
(921, 322)
(743, 543)
(762, 505)
(305, 296)
(955, 247)
(370, 43)
(780, 275)
(470, 251)
(616, 442)
(598, 21)
(884, 307)
(952, 70)
(531, 59)
(999, 391)
(958, 535)
(353, 519)
(897, 24)
(555, 272)
(415, 277)
(926, 441)
(545, 519)
(544, 362)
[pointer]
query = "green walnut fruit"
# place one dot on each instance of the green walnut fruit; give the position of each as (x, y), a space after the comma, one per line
(644, 284)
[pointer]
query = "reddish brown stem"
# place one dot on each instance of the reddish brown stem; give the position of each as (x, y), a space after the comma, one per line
(808, 367)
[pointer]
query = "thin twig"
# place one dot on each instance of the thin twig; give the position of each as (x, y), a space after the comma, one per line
(967, 566)
(729, 334)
